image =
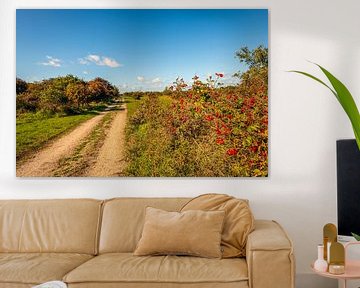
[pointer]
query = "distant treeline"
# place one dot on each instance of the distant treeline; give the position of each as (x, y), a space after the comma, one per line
(137, 95)
(67, 94)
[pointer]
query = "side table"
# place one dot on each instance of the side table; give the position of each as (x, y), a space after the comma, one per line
(352, 268)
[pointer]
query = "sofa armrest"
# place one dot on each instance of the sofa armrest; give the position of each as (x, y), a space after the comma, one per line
(269, 255)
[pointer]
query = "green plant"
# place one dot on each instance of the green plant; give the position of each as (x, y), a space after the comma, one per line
(356, 236)
(344, 97)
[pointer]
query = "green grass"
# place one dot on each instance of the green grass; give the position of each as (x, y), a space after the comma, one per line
(142, 147)
(131, 105)
(33, 131)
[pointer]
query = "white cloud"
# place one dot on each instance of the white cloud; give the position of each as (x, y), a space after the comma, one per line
(143, 83)
(51, 61)
(83, 61)
(93, 58)
(86, 72)
(110, 62)
(99, 60)
(156, 80)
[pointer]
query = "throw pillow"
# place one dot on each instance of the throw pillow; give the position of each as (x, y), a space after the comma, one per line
(196, 233)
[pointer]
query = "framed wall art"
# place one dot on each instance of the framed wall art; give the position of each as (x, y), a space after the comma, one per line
(142, 92)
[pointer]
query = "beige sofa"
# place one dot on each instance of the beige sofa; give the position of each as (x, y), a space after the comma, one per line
(89, 243)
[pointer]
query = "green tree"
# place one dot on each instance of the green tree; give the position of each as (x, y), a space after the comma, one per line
(257, 57)
(53, 99)
(255, 78)
(53, 95)
(77, 93)
(101, 90)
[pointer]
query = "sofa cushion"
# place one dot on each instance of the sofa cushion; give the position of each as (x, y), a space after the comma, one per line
(126, 268)
(63, 226)
(123, 220)
(193, 232)
(36, 268)
(239, 220)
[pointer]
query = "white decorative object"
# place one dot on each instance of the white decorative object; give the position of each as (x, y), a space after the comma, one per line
(52, 284)
(320, 264)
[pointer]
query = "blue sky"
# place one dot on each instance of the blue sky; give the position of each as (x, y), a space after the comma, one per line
(135, 49)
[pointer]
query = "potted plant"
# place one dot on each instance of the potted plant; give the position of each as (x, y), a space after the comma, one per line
(346, 100)
(344, 97)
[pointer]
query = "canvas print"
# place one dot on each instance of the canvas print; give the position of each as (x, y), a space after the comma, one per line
(142, 92)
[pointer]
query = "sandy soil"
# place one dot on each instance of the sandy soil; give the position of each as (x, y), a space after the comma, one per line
(46, 160)
(111, 159)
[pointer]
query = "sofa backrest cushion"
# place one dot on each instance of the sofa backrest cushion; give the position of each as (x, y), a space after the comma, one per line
(64, 226)
(123, 220)
(239, 220)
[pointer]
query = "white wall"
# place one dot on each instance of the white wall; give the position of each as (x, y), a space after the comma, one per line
(305, 120)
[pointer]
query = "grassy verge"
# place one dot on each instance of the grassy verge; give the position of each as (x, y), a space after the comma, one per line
(132, 105)
(148, 143)
(34, 131)
(85, 154)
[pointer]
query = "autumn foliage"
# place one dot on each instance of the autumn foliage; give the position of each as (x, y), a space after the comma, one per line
(67, 94)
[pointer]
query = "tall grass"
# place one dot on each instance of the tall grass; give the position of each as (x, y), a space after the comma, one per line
(148, 142)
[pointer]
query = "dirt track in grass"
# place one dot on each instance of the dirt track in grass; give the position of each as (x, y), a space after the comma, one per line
(105, 159)
(111, 157)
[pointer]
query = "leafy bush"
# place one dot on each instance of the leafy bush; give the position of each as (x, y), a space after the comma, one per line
(201, 130)
(66, 95)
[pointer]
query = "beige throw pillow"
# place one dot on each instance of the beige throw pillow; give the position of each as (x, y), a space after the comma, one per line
(239, 220)
(196, 233)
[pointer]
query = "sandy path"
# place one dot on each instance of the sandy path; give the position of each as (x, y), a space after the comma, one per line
(46, 160)
(111, 159)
